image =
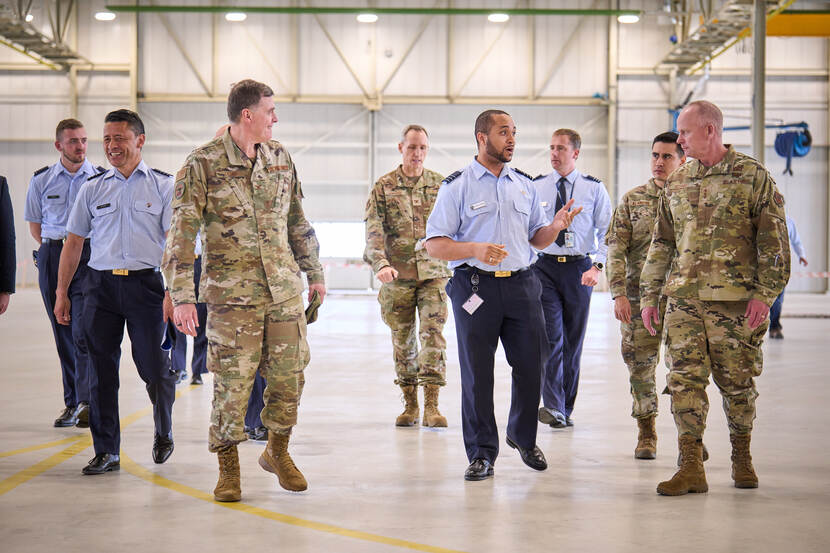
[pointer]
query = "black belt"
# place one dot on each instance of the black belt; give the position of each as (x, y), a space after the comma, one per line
(129, 272)
(562, 258)
(496, 274)
(57, 241)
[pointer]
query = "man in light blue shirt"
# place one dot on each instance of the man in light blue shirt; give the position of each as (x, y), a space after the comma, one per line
(127, 211)
(775, 311)
(567, 272)
(484, 221)
(50, 197)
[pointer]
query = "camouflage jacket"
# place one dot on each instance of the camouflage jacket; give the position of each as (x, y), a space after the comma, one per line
(396, 218)
(255, 237)
(628, 239)
(721, 233)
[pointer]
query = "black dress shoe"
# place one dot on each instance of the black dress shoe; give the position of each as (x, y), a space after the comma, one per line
(101, 463)
(67, 418)
(197, 379)
(258, 434)
(552, 417)
(181, 377)
(479, 469)
(162, 448)
(534, 458)
(569, 421)
(82, 415)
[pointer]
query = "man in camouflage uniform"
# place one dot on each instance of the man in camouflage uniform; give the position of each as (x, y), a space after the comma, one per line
(396, 217)
(242, 190)
(628, 240)
(720, 231)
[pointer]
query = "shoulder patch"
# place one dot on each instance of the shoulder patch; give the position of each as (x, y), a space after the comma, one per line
(96, 175)
(451, 177)
(160, 172)
(522, 173)
(591, 177)
(778, 198)
(41, 170)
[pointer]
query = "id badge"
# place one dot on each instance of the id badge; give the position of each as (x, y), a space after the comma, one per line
(472, 303)
(570, 240)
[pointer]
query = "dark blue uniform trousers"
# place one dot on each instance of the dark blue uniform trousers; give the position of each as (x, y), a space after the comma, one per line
(255, 403)
(511, 312)
(137, 300)
(775, 312)
(198, 364)
(70, 340)
(565, 302)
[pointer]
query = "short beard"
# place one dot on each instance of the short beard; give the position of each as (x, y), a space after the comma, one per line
(490, 151)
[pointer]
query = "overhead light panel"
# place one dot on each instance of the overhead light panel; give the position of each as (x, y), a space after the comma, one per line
(628, 18)
(236, 16)
(367, 17)
(104, 16)
(29, 18)
(498, 18)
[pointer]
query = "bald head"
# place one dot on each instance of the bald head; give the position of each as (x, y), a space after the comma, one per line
(706, 113)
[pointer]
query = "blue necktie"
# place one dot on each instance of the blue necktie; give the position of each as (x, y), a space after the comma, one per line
(560, 203)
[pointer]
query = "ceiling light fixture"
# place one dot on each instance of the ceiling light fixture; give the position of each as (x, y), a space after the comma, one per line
(498, 18)
(628, 18)
(236, 16)
(367, 17)
(29, 17)
(104, 16)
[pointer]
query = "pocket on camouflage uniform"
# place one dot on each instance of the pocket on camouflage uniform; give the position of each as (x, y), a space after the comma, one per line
(221, 336)
(752, 354)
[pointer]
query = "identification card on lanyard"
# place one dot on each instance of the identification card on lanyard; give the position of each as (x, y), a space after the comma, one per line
(474, 301)
(570, 240)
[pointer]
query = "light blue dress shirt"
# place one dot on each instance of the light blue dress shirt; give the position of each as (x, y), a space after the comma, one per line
(127, 217)
(477, 206)
(590, 226)
(51, 196)
(795, 240)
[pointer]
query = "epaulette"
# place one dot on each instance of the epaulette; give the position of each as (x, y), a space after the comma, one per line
(100, 169)
(451, 178)
(96, 175)
(539, 176)
(591, 177)
(39, 171)
(160, 172)
(522, 173)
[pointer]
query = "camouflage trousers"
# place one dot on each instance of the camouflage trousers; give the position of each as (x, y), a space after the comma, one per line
(244, 339)
(641, 351)
(704, 337)
(398, 301)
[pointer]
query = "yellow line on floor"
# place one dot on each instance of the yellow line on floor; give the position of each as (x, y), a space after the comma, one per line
(137, 470)
(39, 468)
(81, 443)
(47, 445)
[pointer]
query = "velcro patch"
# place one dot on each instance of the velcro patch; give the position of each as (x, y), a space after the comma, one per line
(179, 189)
(778, 199)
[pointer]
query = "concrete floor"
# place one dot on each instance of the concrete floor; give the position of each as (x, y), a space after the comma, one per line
(376, 488)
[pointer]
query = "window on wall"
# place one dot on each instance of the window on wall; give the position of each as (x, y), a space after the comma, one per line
(341, 239)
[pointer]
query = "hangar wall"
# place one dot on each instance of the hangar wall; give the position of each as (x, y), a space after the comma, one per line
(345, 89)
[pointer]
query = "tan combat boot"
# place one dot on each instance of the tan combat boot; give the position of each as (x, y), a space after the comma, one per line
(705, 454)
(432, 416)
(690, 478)
(409, 417)
(647, 440)
(742, 471)
(276, 459)
(228, 487)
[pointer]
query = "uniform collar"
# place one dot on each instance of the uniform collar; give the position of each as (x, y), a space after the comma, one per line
(235, 155)
(652, 189)
(480, 170)
(723, 167)
(141, 167)
(85, 169)
(570, 177)
(404, 180)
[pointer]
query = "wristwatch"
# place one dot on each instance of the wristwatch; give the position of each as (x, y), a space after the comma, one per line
(599, 266)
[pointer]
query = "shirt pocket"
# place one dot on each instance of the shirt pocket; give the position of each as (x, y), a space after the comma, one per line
(478, 208)
(54, 205)
(150, 207)
(104, 209)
